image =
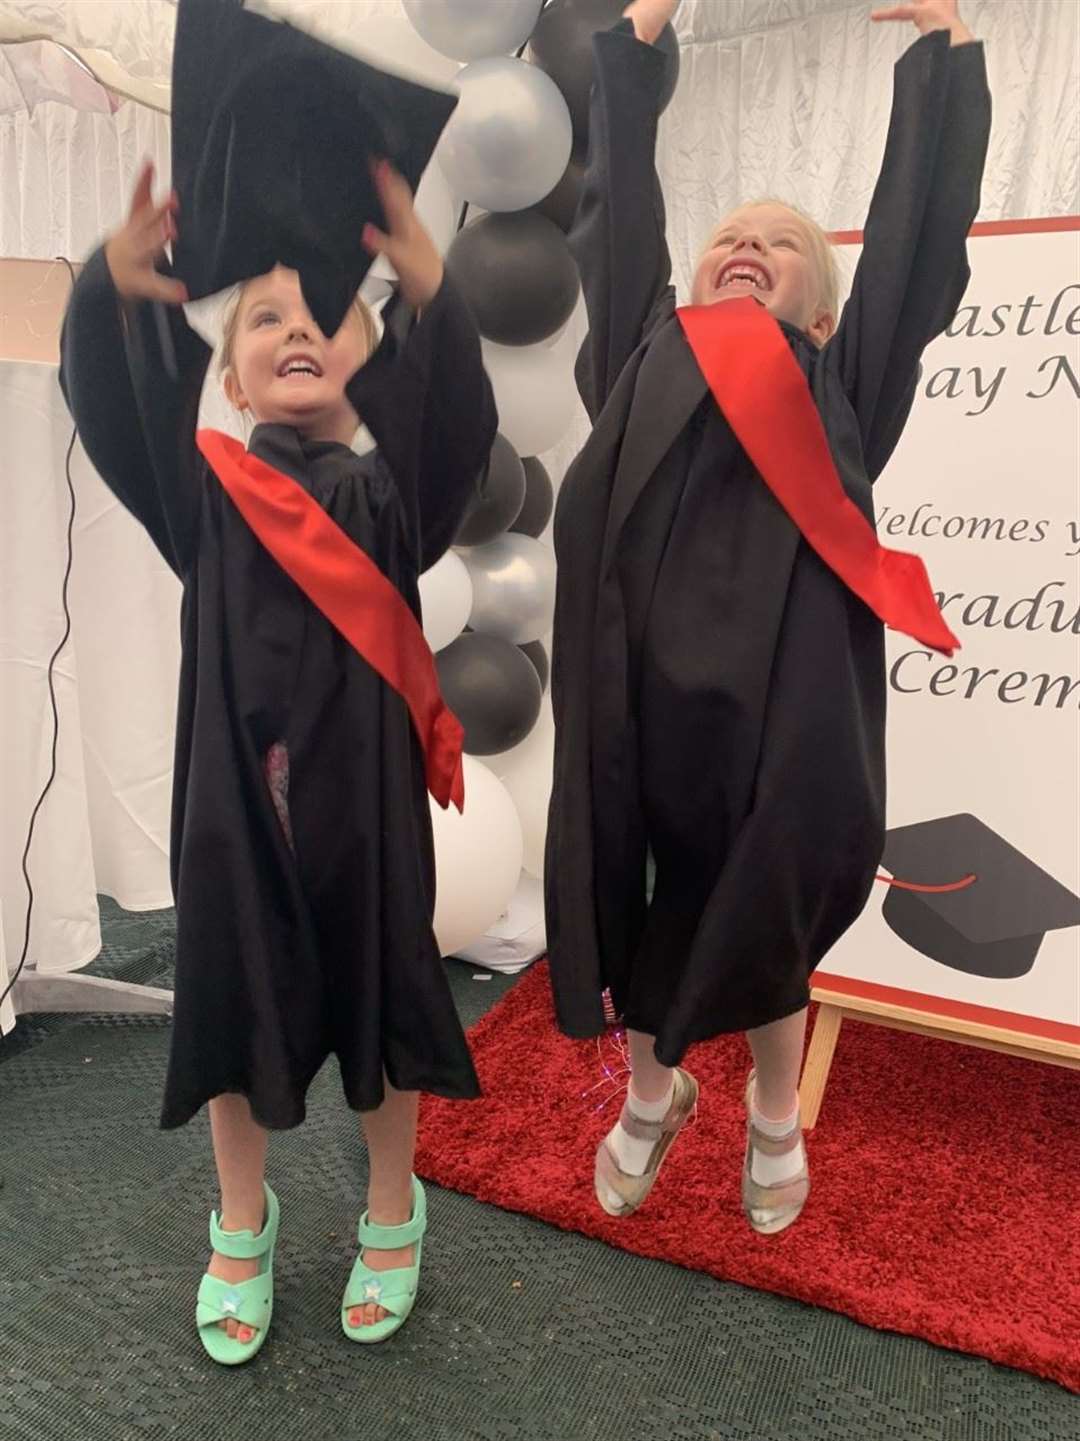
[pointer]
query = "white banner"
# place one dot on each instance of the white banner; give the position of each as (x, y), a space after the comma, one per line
(984, 749)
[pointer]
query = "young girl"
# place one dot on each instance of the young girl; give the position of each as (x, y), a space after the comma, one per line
(719, 688)
(302, 854)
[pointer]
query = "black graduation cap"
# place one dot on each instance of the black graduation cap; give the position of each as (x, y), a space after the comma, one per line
(273, 133)
(963, 896)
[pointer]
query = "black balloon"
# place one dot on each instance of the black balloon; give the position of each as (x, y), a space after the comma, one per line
(539, 500)
(499, 503)
(562, 46)
(493, 689)
(539, 657)
(561, 205)
(517, 275)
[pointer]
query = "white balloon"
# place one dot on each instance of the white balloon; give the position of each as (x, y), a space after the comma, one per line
(513, 582)
(387, 39)
(535, 393)
(471, 29)
(508, 142)
(526, 772)
(446, 599)
(438, 212)
(207, 316)
(478, 859)
(436, 206)
(394, 44)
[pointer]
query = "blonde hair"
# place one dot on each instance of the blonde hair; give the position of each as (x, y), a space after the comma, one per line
(822, 250)
(232, 319)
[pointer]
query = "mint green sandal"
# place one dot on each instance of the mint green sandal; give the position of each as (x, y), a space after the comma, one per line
(395, 1291)
(249, 1302)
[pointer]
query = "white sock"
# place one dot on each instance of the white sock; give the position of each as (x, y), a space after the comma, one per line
(631, 1153)
(774, 1170)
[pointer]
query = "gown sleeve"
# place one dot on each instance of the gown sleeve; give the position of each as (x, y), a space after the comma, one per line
(135, 420)
(618, 235)
(913, 269)
(427, 401)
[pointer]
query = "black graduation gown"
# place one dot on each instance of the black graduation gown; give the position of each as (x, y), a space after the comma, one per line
(719, 694)
(283, 957)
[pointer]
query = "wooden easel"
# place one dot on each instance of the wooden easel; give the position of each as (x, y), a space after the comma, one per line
(838, 1005)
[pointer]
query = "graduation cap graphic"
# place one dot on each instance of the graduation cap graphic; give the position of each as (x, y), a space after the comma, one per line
(963, 896)
(273, 135)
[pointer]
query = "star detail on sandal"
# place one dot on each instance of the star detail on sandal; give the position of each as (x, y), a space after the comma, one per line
(230, 1303)
(373, 1291)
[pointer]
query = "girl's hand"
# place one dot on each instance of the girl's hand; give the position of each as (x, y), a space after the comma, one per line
(930, 15)
(650, 17)
(408, 247)
(132, 251)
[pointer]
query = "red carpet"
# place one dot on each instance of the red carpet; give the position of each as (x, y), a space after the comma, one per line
(946, 1200)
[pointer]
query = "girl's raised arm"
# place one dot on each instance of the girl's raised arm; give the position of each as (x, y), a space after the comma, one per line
(913, 270)
(136, 418)
(618, 237)
(424, 394)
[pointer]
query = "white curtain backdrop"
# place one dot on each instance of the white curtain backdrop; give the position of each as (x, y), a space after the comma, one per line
(66, 175)
(104, 827)
(777, 97)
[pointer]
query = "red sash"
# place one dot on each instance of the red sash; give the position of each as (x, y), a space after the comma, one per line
(353, 594)
(763, 394)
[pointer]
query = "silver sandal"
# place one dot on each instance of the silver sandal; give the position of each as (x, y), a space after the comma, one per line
(633, 1190)
(771, 1209)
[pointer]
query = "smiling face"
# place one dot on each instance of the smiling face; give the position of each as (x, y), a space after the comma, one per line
(771, 252)
(283, 369)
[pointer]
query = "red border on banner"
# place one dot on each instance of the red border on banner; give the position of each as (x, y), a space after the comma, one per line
(1039, 226)
(939, 1006)
(914, 1000)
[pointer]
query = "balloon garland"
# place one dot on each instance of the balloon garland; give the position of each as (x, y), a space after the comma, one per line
(514, 150)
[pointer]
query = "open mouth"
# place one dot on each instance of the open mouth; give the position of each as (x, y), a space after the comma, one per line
(747, 274)
(298, 366)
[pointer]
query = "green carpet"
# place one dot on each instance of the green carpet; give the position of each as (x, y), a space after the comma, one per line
(523, 1333)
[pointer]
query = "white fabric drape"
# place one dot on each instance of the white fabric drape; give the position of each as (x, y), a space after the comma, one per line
(32, 560)
(66, 175)
(127, 43)
(40, 71)
(104, 827)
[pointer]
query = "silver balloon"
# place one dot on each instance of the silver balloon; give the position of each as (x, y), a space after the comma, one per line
(513, 581)
(473, 29)
(508, 141)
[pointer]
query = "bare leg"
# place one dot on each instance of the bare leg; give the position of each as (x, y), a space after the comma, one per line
(650, 1081)
(240, 1153)
(390, 1133)
(778, 1053)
